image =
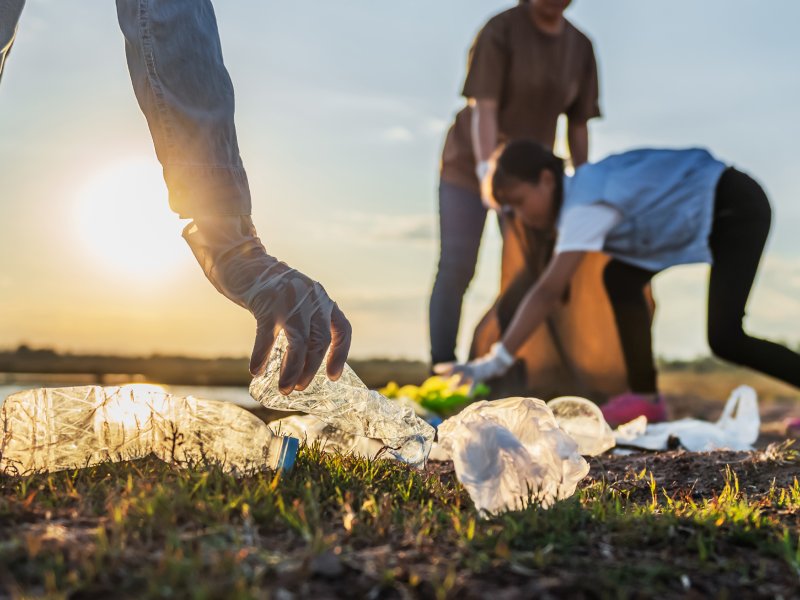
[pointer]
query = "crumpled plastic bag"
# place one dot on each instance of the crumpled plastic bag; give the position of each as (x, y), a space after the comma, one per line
(348, 405)
(509, 452)
(52, 429)
(736, 429)
(582, 420)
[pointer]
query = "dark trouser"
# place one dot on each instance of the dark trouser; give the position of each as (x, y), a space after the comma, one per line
(461, 220)
(742, 218)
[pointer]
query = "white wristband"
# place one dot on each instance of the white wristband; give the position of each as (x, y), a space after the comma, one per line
(482, 169)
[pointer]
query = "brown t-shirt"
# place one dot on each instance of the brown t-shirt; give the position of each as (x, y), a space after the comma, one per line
(533, 75)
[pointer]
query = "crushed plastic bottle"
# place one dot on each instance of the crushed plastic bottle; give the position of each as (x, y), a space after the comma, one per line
(736, 429)
(584, 423)
(348, 405)
(510, 451)
(64, 428)
(311, 430)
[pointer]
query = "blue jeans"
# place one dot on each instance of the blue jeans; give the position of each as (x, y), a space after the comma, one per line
(175, 62)
(461, 221)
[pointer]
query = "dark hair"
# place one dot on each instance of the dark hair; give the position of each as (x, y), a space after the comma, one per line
(524, 161)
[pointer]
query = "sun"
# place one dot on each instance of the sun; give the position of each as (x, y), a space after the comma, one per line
(123, 220)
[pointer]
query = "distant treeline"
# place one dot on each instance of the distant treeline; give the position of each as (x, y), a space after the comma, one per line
(182, 370)
(233, 371)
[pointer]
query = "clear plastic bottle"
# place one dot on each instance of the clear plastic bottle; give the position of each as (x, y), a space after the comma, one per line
(63, 428)
(348, 405)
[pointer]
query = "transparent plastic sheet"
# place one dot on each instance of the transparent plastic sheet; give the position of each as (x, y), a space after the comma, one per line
(736, 429)
(64, 428)
(348, 405)
(510, 451)
(582, 420)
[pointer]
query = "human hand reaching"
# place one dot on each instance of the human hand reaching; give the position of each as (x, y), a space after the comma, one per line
(475, 372)
(279, 297)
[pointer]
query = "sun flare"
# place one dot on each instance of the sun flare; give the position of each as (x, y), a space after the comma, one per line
(123, 220)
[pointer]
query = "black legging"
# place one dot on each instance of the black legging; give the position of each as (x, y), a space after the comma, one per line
(742, 218)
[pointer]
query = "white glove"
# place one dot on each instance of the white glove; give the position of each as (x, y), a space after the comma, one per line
(494, 364)
(485, 171)
(235, 261)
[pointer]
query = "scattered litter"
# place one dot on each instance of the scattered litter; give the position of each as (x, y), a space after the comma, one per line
(511, 451)
(348, 405)
(64, 428)
(584, 423)
(737, 429)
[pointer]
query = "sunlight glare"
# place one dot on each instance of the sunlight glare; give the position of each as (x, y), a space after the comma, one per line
(124, 220)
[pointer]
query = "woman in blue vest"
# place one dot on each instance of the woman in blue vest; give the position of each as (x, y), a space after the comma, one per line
(650, 210)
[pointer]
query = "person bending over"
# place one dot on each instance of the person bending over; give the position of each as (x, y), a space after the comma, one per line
(649, 209)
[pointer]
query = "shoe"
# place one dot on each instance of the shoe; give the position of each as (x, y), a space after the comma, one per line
(792, 428)
(626, 407)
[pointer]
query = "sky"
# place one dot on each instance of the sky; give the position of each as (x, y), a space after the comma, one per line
(342, 108)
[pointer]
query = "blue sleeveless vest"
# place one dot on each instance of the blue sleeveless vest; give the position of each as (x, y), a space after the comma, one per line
(666, 198)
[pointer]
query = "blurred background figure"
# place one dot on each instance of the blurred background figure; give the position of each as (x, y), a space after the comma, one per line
(527, 67)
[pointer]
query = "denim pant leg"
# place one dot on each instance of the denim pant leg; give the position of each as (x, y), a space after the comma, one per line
(10, 11)
(461, 220)
(183, 88)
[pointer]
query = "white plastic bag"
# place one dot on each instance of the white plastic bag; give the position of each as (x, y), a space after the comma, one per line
(510, 451)
(582, 420)
(736, 429)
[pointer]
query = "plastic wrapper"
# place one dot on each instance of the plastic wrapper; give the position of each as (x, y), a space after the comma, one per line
(509, 452)
(348, 405)
(65, 428)
(584, 423)
(736, 429)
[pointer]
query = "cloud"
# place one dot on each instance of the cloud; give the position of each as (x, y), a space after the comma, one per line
(371, 228)
(398, 134)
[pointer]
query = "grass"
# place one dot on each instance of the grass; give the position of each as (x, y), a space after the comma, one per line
(340, 526)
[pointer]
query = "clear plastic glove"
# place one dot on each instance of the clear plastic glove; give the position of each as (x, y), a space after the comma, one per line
(485, 172)
(475, 372)
(235, 261)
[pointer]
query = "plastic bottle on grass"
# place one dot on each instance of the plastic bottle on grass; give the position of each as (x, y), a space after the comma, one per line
(64, 428)
(348, 405)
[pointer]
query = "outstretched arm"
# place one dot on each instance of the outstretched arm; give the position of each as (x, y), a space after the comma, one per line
(540, 301)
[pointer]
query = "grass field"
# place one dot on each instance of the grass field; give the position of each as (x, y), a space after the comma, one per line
(670, 525)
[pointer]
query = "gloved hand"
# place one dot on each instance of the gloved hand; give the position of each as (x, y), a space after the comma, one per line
(485, 172)
(494, 364)
(236, 262)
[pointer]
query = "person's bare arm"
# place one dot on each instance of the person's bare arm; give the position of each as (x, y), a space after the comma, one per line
(578, 138)
(484, 128)
(540, 301)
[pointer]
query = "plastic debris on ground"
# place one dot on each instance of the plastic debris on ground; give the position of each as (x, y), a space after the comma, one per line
(584, 423)
(65, 428)
(348, 405)
(509, 452)
(311, 430)
(737, 428)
